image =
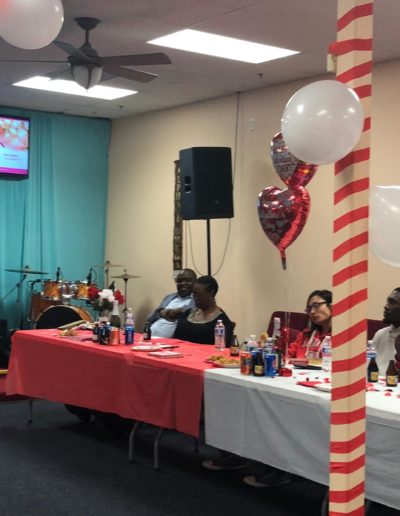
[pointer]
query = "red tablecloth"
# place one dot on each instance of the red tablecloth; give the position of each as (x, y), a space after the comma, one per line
(163, 392)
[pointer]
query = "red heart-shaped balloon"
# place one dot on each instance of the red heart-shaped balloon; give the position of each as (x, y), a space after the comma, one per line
(291, 170)
(282, 214)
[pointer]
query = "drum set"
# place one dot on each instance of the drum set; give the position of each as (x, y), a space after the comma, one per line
(52, 305)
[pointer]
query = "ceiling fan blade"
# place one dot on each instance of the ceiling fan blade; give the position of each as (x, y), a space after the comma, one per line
(137, 59)
(71, 50)
(28, 61)
(133, 75)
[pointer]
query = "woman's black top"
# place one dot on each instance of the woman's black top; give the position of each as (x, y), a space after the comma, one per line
(202, 332)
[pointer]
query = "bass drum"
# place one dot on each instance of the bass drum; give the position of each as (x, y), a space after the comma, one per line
(58, 315)
(39, 305)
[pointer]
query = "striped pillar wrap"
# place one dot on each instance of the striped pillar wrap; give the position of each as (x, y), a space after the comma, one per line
(353, 50)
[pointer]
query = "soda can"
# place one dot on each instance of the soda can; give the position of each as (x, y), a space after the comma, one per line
(246, 363)
(113, 338)
(269, 360)
(103, 334)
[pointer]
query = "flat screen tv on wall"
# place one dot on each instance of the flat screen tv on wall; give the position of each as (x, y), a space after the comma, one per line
(14, 147)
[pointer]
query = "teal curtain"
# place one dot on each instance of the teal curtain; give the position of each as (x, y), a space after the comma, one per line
(57, 217)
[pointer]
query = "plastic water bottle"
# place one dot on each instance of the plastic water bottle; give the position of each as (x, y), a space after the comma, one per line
(327, 354)
(219, 335)
(252, 343)
(129, 327)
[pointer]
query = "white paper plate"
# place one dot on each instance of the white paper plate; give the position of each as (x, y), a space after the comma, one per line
(325, 387)
(145, 347)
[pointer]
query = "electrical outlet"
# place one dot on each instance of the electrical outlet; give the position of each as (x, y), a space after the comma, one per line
(252, 124)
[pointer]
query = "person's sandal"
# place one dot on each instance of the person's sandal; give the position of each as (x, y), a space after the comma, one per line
(225, 462)
(271, 479)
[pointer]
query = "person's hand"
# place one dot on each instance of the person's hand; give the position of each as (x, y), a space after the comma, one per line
(170, 314)
(174, 313)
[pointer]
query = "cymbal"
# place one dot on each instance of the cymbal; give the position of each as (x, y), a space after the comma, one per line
(106, 265)
(26, 270)
(125, 276)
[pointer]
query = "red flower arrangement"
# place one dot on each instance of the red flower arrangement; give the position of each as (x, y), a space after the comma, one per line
(104, 299)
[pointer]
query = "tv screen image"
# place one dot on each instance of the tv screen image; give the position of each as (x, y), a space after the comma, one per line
(14, 146)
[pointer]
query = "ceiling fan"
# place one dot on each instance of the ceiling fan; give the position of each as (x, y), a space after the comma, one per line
(86, 66)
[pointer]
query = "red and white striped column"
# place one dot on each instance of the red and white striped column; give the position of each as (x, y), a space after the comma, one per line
(353, 49)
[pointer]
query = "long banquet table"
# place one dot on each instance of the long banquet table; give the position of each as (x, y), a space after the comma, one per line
(72, 370)
(277, 422)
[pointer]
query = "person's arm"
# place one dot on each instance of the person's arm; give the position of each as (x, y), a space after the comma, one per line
(158, 312)
(294, 346)
(228, 328)
(397, 349)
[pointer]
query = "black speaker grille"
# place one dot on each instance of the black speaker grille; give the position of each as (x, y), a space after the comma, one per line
(206, 183)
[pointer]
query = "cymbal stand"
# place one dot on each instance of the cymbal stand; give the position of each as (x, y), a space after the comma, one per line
(125, 290)
(21, 308)
(106, 272)
(10, 292)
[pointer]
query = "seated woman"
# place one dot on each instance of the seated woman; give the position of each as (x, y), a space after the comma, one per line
(198, 324)
(308, 341)
(319, 312)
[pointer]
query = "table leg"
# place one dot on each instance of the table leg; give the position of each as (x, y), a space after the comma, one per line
(156, 449)
(132, 440)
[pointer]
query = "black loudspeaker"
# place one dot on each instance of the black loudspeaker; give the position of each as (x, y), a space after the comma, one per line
(206, 183)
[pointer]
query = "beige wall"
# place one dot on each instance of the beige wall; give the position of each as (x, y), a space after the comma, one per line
(252, 282)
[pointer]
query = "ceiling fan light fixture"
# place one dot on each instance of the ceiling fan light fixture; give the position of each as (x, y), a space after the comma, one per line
(87, 75)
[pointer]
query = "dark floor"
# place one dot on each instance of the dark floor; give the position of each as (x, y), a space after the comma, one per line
(59, 466)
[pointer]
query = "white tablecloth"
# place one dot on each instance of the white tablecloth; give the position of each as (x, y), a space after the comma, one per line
(277, 422)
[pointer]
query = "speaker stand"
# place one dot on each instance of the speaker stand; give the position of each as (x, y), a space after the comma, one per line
(208, 248)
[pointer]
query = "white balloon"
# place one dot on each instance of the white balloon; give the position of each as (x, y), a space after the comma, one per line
(384, 223)
(322, 122)
(31, 24)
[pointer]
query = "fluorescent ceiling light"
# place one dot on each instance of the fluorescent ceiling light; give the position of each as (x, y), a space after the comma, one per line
(222, 46)
(72, 88)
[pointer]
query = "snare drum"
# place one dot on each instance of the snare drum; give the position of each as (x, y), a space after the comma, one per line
(81, 289)
(50, 289)
(58, 315)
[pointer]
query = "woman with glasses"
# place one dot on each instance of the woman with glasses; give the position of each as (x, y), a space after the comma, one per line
(309, 341)
(307, 344)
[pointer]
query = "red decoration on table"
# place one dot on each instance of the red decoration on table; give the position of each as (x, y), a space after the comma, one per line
(103, 299)
(282, 214)
(292, 171)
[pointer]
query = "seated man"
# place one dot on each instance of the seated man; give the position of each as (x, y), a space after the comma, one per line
(387, 340)
(165, 317)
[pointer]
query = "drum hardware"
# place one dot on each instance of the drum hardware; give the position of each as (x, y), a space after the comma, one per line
(126, 276)
(106, 266)
(26, 270)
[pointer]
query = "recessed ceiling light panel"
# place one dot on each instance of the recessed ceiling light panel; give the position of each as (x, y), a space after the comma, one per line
(72, 88)
(222, 46)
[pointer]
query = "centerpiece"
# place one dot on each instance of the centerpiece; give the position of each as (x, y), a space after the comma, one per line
(103, 301)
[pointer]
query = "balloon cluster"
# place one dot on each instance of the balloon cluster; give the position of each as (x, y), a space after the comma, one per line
(283, 213)
(384, 223)
(30, 24)
(321, 123)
